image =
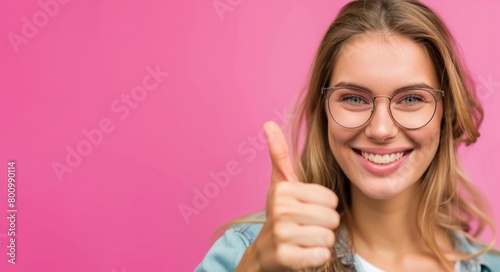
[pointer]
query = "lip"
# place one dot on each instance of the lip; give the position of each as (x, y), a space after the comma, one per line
(383, 169)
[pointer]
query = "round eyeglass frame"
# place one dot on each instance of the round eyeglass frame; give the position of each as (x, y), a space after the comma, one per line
(327, 92)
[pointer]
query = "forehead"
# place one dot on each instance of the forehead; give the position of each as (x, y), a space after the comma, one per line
(383, 62)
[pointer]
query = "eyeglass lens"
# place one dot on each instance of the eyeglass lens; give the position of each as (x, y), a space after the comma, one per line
(411, 109)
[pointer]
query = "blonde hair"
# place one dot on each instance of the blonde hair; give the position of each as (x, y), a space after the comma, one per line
(449, 199)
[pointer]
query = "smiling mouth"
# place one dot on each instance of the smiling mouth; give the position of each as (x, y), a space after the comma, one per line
(382, 158)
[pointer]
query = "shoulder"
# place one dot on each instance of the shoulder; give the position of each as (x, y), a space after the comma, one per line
(249, 231)
(227, 251)
(491, 259)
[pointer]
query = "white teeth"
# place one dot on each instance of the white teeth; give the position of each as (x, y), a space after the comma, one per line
(382, 159)
(385, 159)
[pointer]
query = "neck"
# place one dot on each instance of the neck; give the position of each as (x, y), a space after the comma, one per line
(389, 226)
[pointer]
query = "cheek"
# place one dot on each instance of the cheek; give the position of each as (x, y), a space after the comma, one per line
(429, 136)
(431, 143)
(428, 142)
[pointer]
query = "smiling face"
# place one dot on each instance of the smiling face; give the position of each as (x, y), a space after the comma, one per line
(381, 64)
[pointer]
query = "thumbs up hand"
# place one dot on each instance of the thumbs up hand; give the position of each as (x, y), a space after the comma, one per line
(301, 217)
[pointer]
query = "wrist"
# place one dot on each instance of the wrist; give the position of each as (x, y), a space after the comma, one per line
(249, 262)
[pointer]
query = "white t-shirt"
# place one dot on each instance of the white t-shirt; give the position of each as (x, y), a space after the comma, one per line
(365, 266)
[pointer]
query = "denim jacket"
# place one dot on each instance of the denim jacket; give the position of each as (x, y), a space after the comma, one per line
(228, 250)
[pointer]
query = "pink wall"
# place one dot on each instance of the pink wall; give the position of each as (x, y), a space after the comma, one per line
(158, 97)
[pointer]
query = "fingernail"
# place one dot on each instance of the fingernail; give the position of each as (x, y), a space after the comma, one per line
(324, 253)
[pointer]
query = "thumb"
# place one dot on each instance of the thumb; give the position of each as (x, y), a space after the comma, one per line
(278, 150)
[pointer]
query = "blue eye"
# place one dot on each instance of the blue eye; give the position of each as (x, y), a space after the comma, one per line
(412, 99)
(353, 99)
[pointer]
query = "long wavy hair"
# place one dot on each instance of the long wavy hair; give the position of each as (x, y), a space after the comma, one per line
(449, 200)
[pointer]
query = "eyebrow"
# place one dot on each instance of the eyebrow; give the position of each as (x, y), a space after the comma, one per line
(360, 86)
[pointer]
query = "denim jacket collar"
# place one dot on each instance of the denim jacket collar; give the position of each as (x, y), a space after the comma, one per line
(346, 253)
(477, 264)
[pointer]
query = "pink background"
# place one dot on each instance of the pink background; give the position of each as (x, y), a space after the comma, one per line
(118, 208)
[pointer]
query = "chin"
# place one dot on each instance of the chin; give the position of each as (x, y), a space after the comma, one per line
(380, 195)
(381, 189)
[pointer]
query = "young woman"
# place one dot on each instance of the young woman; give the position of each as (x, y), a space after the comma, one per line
(378, 186)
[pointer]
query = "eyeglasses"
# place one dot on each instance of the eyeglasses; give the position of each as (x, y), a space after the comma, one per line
(410, 108)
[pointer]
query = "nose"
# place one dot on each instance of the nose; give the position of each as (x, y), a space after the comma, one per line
(381, 126)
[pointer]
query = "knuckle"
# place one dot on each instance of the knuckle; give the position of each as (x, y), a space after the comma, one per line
(282, 232)
(307, 261)
(324, 237)
(329, 238)
(333, 239)
(279, 210)
(322, 216)
(316, 257)
(325, 194)
(334, 199)
(281, 155)
(336, 219)
(322, 255)
(281, 254)
(333, 219)
(278, 232)
(331, 198)
(283, 188)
